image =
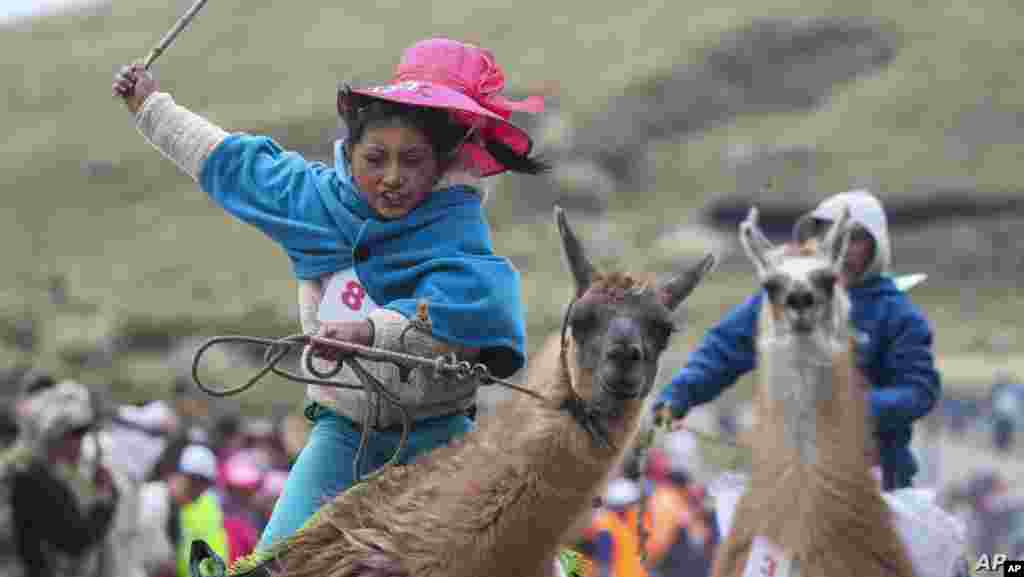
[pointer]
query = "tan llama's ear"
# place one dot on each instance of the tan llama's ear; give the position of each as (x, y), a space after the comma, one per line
(677, 288)
(837, 239)
(575, 257)
(755, 243)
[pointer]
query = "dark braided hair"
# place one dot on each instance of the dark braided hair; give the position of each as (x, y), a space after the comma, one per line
(514, 161)
(360, 112)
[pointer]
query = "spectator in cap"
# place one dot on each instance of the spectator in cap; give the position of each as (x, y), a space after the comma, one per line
(683, 534)
(614, 535)
(186, 510)
(241, 478)
(53, 516)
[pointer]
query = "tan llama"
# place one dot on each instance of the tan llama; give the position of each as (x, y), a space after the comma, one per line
(812, 507)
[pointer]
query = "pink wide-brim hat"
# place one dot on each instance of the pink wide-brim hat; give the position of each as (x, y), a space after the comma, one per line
(444, 73)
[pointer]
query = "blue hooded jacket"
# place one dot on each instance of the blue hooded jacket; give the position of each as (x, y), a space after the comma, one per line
(440, 252)
(894, 350)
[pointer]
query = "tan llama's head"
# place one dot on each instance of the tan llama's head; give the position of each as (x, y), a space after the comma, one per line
(617, 327)
(801, 283)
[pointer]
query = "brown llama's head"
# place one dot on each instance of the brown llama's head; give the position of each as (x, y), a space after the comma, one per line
(801, 283)
(617, 328)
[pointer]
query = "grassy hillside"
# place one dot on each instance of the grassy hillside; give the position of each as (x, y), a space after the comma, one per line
(84, 196)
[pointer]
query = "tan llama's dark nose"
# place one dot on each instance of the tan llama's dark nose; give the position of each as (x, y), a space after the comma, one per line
(800, 300)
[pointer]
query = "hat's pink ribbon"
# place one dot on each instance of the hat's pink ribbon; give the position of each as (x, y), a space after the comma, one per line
(488, 91)
(504, 106)
(485, 89)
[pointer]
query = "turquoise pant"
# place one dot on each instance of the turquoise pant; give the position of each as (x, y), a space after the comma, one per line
(324, 466)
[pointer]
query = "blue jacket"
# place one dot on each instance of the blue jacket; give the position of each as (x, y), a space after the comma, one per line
(440, 252)
(894, 352)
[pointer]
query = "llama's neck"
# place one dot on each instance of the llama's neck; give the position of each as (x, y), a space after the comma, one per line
(556, 471)
(808, 403)
(564, 458)
(795, 377)
(566, 471)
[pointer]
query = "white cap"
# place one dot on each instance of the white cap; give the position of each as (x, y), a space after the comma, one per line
(156, 415)
(621, 493)
(199, 461)
(681, 448)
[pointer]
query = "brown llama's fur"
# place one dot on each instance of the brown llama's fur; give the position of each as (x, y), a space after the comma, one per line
(816, 499)
(482, 505)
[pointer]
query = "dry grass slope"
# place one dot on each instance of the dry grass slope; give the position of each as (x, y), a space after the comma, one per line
(85, 197)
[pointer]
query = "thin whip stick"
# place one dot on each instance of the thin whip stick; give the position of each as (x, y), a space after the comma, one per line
(173, 32)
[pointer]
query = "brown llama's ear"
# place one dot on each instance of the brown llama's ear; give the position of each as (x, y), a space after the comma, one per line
(755, 243)
(575, 257)
(677, 288)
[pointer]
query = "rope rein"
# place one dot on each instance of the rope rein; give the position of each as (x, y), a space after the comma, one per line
(278, 349)
(580, 411)
(448, 365)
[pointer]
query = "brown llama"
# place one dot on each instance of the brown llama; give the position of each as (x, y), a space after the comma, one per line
(812, 507)
(500, 501)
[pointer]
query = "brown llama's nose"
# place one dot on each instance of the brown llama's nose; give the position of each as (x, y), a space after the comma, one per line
(625, 353)
(800, 300)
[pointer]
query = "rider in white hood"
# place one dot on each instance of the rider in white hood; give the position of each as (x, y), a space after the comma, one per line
(894, 339)
(865, 210)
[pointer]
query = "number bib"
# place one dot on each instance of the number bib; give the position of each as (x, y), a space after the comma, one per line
(767, 560)
(345, 299)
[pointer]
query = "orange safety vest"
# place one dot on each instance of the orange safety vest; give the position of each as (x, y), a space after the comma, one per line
(673, 512)
(625, 541)
(668, 507)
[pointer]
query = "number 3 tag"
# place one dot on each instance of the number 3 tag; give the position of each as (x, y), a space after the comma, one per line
(345, 298)
(767, 560)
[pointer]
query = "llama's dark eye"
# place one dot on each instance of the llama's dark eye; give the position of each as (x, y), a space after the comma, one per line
(582, 319)
(773, 286)
(824, 280)
(661, 332)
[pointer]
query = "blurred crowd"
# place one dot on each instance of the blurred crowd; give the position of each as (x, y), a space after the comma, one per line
(101, 490)
(655, 518)
(670, 491)
(122, 490)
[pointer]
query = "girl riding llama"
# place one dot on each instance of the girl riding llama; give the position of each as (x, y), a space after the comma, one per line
(394, 227)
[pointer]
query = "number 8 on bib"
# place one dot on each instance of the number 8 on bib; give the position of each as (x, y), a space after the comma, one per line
(345, 298)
